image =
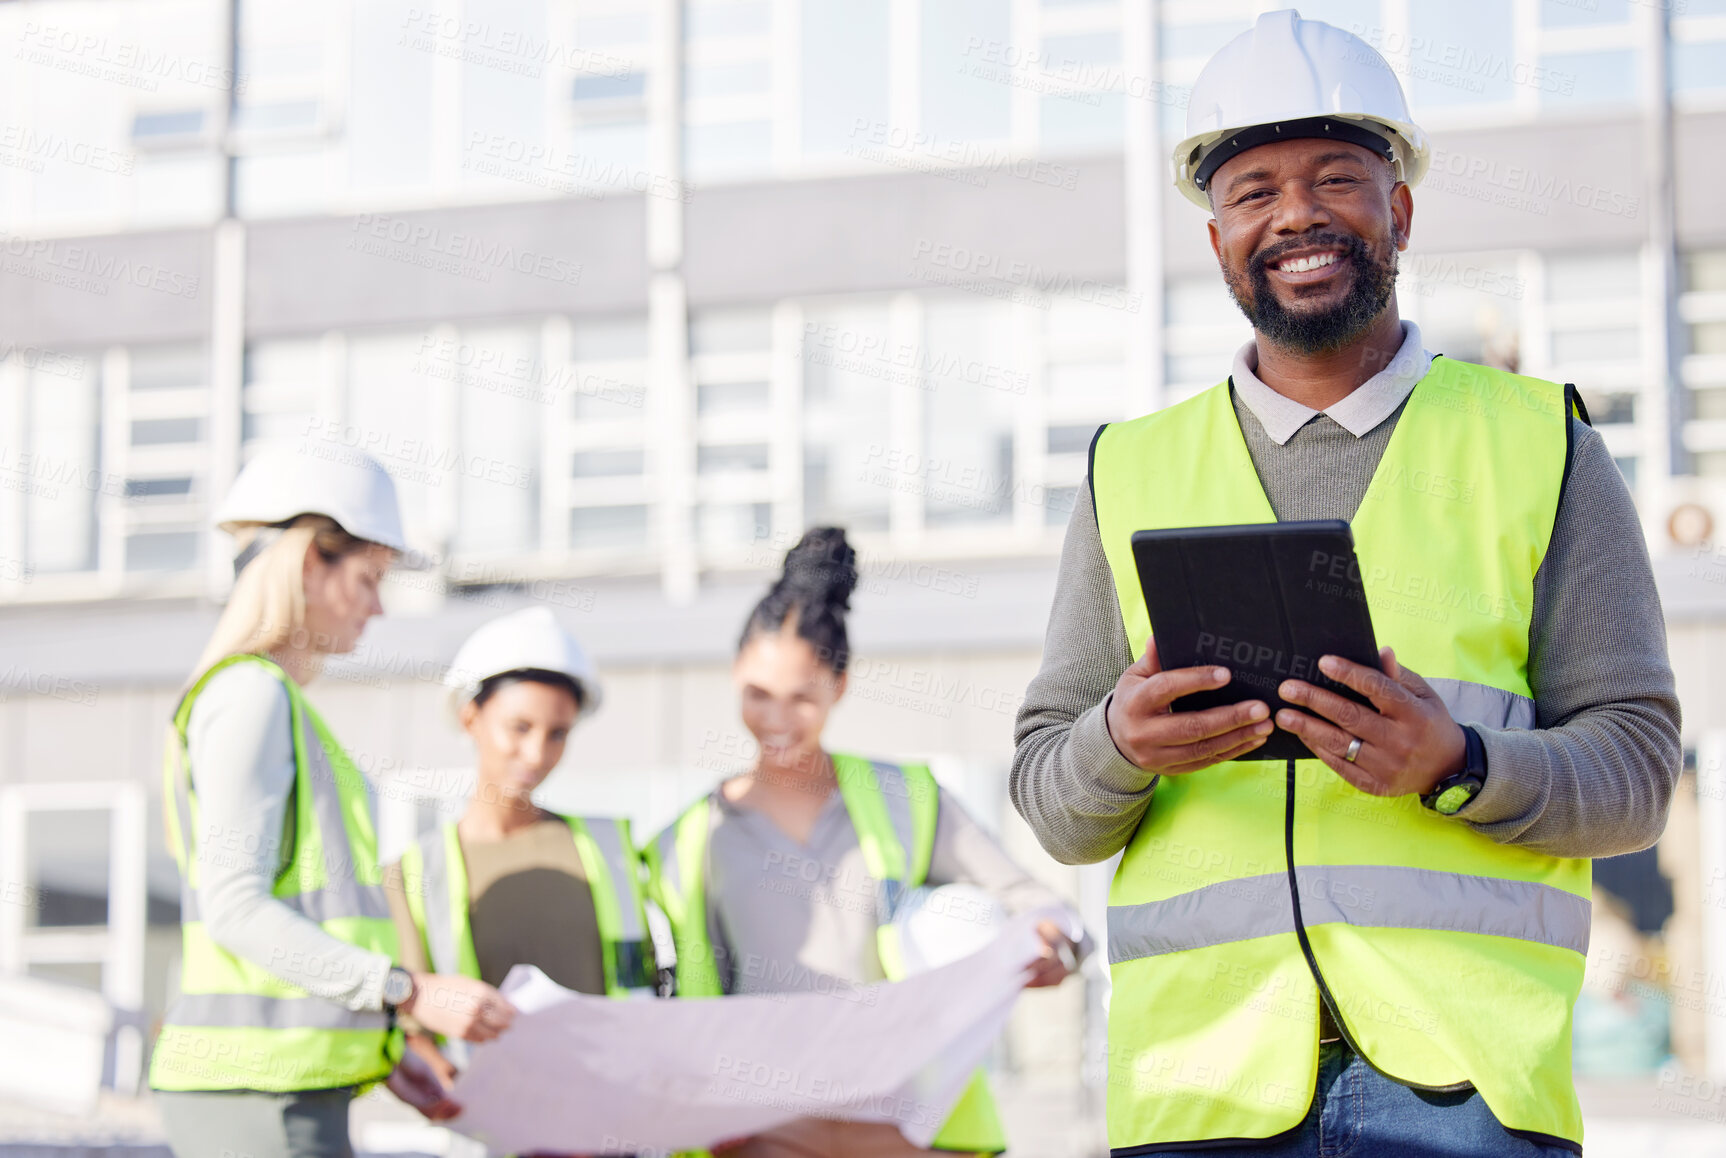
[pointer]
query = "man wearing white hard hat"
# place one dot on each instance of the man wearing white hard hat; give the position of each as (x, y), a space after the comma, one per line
(288, 982)
(510, 883)
(1375, 951)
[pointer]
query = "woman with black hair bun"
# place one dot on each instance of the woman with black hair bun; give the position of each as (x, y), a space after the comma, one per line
(790, 877)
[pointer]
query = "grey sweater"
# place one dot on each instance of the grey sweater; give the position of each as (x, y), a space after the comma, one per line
(1593, 779)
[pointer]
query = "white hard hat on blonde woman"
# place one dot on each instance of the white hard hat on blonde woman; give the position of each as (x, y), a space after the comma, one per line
(287, 480)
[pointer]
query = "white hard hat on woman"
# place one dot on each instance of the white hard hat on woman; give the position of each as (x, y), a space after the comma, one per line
(288, 981)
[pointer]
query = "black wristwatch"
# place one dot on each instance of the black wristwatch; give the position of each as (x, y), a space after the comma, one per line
(398, 987)
(1449, 795)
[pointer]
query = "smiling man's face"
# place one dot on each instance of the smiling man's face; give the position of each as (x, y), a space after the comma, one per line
(1307, 233)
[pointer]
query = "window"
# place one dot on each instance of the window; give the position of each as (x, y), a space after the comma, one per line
(165, 462)
(731, 366)
(392, 412)
(850, 368)
(500, 416)
(599, 447)
(845, 66)
(962, 99)
(1456, 54)
(1604, 77)
(282, 382)
(728, 83)
(65, 479)
(389, 134)
(967, 472)
(1468, 306)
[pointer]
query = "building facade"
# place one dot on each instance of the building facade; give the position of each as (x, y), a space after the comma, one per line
(627, 293)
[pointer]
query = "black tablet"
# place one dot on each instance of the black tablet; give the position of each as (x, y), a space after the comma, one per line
(1264, 600)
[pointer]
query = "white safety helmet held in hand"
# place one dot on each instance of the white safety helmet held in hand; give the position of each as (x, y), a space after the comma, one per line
(1287, 79)
(291, 479)
(938, 926)
(530, 640)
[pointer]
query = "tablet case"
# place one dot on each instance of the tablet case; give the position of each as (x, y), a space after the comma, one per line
(1264, 600)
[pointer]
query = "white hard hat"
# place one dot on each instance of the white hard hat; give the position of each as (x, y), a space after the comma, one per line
(530, 640)
(938, 926)
(1288, 78)
(291, 479)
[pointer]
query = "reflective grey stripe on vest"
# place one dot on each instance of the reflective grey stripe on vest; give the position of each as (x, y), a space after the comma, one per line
(348, 896)
(620, 866)
(319, 906)
(1482, 704)
(434, 891)
(896, 793)
(1366, 896)
(250, 1011)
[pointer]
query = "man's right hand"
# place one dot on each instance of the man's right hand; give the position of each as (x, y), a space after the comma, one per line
(458, 1007)
(1170, 743)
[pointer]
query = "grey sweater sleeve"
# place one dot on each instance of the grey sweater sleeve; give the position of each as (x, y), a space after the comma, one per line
(1596, 777)
(1081, 797)
(241, 745)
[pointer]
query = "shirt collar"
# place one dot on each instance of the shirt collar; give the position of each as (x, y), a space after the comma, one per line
(1361, 411)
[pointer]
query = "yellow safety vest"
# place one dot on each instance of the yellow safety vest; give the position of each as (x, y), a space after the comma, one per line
(894, 809)
(236, 1025)
(434, 879)
(1452, 959)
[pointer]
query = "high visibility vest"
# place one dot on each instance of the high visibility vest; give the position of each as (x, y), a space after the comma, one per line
(434, 878)
(1451, 958)
(236, 1025)
(894, 809)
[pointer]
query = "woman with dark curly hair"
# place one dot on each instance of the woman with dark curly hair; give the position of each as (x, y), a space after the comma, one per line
(786, 878)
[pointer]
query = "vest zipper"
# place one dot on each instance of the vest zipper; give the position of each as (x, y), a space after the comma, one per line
(1312, 961)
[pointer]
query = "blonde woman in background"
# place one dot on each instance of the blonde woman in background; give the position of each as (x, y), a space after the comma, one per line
(289, 986)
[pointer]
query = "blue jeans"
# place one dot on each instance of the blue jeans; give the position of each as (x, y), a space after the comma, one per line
(1357, 1113)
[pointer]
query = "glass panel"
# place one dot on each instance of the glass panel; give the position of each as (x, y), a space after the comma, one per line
(1596, 344)
(731, 459)
(1590, 78)
(1095, 385)
(158, 488)
(844, 73)
(607, 339)
(1576, 13)
(64, 476)
(1593, 276)
(609, 87)
(719, 525)
(276, 117)
(708, 19)
(502, 85)
(734, 150)
(618, 393)
(280, 184)
(390, 88)
(847, 399)
(730, 331)
(593, 528)
(1469, 306)
(1070, 439)
(965, 96)
(162, 551)
(1458, 54)
(388, 414)
(609, 29)
(1627, 468)
(1609, 409)
(1201, 301)
(1699, 65)
(967, 473)
(607, 463)
(166, 431)
(1709, 405)
(1083, 121)
(1705, 272)
(1708, 338)
(498, 508)
(729, 79)
(286, 361)
(730, 397)
(167, 367)
(150, 128)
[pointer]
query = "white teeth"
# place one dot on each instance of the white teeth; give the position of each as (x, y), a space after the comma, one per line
(1302, 264)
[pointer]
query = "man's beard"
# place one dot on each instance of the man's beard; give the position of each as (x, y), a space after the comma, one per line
(1316, 331)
